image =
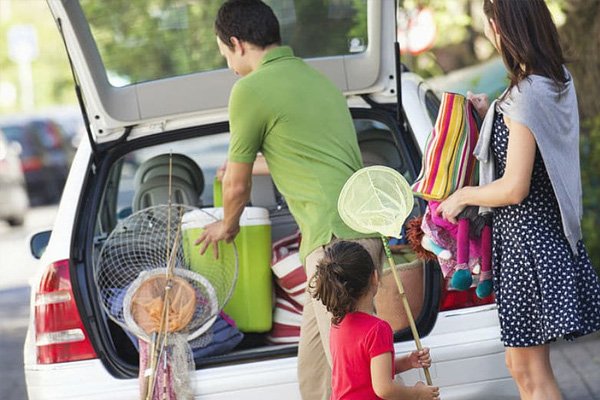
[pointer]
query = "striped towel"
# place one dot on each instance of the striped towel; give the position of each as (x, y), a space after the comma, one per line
(448, 161)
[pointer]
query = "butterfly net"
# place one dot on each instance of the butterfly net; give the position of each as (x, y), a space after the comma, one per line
(376, 199)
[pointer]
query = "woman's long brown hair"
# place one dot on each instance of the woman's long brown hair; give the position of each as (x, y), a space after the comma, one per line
(529, 41)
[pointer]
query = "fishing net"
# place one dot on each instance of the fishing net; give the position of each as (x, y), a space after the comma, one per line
(137, 252)
(153, 282)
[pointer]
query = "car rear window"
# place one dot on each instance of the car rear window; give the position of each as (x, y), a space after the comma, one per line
(155, 39)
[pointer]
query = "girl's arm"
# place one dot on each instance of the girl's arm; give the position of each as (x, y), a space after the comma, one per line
(511, 188)
(415, 359)
(386, 388)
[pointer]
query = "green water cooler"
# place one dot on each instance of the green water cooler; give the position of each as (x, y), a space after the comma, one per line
(251, 302)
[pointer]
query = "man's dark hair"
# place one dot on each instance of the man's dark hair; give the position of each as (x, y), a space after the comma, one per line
(251, 21)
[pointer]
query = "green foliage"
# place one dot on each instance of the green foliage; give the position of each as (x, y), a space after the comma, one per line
(590, 175)
(51, 73)
(141, 40)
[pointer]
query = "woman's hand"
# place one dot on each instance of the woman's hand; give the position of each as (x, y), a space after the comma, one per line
(452, 206)
(480, 102)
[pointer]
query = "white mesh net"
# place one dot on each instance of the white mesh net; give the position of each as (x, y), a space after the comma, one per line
(136, 255)
(376, 199)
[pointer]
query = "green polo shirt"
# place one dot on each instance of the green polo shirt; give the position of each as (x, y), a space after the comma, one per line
(300, 122)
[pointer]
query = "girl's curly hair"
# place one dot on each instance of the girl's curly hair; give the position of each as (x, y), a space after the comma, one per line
(342, 276)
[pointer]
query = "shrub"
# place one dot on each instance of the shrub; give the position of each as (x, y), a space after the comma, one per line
(590, 177)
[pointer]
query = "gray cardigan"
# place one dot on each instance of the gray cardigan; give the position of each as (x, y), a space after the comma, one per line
(552, 117)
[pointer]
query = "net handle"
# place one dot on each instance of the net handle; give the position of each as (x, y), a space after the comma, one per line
(411, 320)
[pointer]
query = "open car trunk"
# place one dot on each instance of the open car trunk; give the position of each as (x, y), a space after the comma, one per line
(151, 82)
(114, 195)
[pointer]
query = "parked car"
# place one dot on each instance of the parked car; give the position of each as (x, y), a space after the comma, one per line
(157, 85)
(489, 77)
(46, 155)
(14, 202)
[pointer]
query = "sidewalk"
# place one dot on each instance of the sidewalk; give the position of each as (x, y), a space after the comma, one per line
(577, 367)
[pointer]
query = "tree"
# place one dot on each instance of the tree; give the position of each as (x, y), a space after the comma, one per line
(581, 40)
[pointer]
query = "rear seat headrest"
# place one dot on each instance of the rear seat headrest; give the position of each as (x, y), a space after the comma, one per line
(151, 182)
(183, 167)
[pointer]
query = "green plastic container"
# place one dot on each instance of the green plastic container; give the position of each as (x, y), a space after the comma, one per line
(251, 304)
(217, 193)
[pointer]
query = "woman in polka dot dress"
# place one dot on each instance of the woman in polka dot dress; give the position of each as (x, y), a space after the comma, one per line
(545, 284)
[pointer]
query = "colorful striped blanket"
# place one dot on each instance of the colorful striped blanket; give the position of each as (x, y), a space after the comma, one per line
(448, 161)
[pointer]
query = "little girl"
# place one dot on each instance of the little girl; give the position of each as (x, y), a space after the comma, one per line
(361, 344)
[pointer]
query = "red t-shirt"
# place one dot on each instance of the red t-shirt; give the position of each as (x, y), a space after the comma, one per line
(353, 343)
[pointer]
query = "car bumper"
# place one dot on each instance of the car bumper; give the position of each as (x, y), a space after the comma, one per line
(468, 364)
(467, 355)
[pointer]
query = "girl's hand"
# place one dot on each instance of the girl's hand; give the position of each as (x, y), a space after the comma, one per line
(452, 206)
(420, 359)
(424, 392)
(480, 102)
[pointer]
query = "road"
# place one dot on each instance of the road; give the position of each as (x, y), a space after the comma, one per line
(577, 365)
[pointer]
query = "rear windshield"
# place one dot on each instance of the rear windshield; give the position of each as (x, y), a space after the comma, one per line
(154, 39)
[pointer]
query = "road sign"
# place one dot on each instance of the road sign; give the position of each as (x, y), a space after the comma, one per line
(22, 43)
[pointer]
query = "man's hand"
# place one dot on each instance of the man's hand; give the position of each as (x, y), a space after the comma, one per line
(213, 233)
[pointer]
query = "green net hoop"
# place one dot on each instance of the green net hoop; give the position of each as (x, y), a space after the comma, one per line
(376, 199)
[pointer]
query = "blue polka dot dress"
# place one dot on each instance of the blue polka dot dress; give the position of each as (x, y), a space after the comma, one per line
(543, 292)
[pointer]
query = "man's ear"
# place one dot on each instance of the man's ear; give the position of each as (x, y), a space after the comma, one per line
(238, 45)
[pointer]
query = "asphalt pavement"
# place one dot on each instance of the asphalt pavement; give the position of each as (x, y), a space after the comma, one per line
(576, 364)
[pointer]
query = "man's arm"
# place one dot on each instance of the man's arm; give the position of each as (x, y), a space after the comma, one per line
(237, 183)
(236, 193)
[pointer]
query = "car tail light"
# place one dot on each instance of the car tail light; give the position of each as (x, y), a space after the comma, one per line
(60, 335)
(453, 299)
(31, 164)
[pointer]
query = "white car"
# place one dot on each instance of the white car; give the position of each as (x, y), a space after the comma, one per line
(152, 82)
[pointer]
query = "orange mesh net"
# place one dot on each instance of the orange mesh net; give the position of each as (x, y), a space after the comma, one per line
(147, 304)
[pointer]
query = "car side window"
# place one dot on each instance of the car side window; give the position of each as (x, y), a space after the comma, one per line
(378, 146)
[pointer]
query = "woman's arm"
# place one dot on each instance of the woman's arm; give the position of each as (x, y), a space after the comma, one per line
(511, 188)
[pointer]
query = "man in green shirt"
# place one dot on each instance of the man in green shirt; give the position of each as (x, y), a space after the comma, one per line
(300, 122)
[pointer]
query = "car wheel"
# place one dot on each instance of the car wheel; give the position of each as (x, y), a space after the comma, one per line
(15, 221)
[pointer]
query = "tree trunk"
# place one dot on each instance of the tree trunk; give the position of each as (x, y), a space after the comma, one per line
(581, 41)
